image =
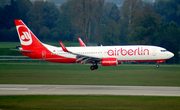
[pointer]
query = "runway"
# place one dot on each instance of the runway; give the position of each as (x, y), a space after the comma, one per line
(21, 89)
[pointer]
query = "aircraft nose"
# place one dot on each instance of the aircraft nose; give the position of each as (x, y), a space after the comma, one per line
(170, 54)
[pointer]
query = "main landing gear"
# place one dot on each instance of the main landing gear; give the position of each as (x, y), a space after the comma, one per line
(93, 67)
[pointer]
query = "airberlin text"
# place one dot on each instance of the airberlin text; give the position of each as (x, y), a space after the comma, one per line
(130, 52)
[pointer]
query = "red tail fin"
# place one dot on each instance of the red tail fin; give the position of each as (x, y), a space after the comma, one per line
(28, 40)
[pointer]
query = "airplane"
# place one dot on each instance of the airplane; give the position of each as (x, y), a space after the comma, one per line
(32, 47)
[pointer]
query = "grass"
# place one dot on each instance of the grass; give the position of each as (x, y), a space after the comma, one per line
(9, 44)
(71, 74)
(89, 102)
(76, 74)
(52, 73)
(6, 46)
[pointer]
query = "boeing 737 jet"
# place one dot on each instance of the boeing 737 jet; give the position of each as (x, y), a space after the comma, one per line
(104, 55)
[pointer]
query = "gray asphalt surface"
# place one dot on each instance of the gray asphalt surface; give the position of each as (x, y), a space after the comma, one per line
(21, 89)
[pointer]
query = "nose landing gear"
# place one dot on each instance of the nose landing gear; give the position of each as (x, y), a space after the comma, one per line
(157, 66)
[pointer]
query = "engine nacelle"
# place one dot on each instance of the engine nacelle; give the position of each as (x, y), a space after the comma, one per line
(109, 62)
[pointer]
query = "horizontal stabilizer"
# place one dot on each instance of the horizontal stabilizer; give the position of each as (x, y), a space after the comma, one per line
(27, 51)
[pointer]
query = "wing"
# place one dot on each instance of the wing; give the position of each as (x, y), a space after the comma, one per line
(83, 58)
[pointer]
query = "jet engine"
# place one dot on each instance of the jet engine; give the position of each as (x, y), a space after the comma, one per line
(109, 62)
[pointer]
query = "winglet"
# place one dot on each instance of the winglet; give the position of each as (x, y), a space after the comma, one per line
(63, 47)
(81, 42)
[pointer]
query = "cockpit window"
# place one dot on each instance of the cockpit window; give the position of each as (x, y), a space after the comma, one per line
(163, 50)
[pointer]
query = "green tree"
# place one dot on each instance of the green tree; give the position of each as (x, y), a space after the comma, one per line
(42, 14)
(84, 12)
(110, 11)
(2, 3)
(10, 12)
(7, 15)
(111, 28)
(169, 9)
(98, 20)
(64, 29)
(23, 8)
(137, 36)
(169, 38)
(111, 33)
(145, 26)
(128, 10)
(44, 33)
(1, 18)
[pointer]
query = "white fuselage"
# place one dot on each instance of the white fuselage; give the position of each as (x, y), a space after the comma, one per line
(122, 53)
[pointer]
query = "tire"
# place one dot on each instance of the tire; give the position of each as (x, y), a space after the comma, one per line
(92, 67)
(95, 67)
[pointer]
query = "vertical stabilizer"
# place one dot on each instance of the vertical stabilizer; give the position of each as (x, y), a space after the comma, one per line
(27, 39)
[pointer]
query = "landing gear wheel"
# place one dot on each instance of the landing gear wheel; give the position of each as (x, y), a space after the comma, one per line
(95, 67)
(92, 67)
(157, 66)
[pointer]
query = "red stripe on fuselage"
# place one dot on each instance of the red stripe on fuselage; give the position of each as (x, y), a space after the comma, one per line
(141, 60)
(45, 55)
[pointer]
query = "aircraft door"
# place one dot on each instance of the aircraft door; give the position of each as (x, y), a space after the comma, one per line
(44, 54)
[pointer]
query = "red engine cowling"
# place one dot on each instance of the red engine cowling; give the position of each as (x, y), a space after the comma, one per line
(109, 62)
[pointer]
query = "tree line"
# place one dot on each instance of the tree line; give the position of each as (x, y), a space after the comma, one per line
(97, 21)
